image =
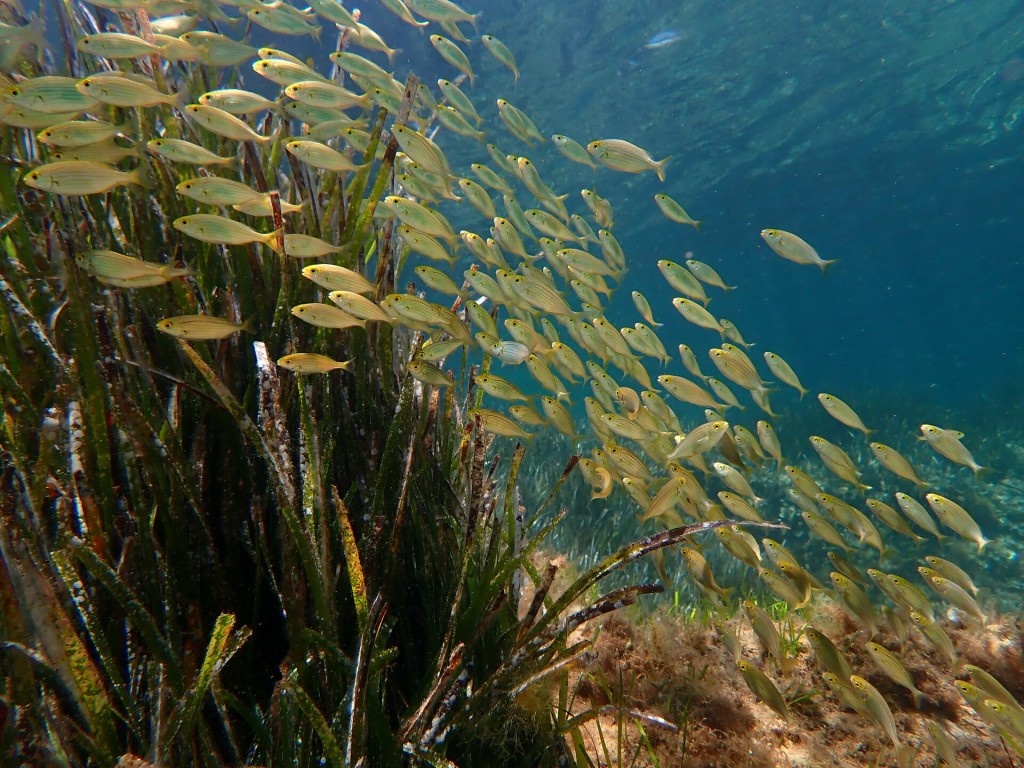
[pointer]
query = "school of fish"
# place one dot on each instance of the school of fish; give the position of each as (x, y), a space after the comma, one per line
(528, 288)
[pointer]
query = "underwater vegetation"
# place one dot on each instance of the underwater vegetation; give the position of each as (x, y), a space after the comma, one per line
(309, 385)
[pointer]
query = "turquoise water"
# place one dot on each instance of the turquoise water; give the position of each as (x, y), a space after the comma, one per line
(886, 135)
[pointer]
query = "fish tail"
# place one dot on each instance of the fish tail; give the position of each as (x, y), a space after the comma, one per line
(249, 326)
(659, 168)
(275, 241)
(142, 177)
(981, 472)
(825, 264)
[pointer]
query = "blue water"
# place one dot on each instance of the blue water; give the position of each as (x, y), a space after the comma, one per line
(884, 133)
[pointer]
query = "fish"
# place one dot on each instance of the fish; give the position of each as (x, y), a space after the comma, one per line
(459, 100)
(124, 92)
(896, 463)
(732, 477)
(478, 198)
(696, 314)
(767, 633)
(785, 589)
(501, 53)
(701, 439)
(823, 530)
(743, 548)
(326, 316)
(783, 372)
(359, 306)
(739, 506)
(238, 101)
(954, 594)
(707, 275)
(498, 423)
(770, 441)
(202, 327)
(438, 280)
(420, 218)
(428, 373)
(701, 572)
(502, 389)
(682, 280)
(518, 123)
(363, 36)
(78, 133)
(125, 271)
(599, 207)
(318, 155)
(838, 461)
(876, 707)
(893, 668)
(273, 19)
(621, 155)
(952, 572)
(689, 392)
(891, 518)
(558, 415)
(223, 123)
(299, 246)
(337, 278)
(644, 308)
(947, 443)
(795, 249)
(317, 93)
(916, 513)
(596, 476)
(116, 45)
(540, 371)
(311, 362)
(81, 177)
(763, 688)
(218, 50)
(181, 151)
(662, 39)
(856, 601)
(214, 190)
(847, 693)
(572, 150)
(674, 211)
(222, 230)
(50, 94)
(842, 413)
(955, 517)
(829, 657)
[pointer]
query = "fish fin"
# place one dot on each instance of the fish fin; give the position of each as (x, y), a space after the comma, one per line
(142, 177)
(274, 241)
(696, 224)
(659, 168)
(982, 472)
(826, 264)
(249, 325)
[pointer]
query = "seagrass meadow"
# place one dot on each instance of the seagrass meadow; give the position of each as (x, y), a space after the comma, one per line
(345, 423)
